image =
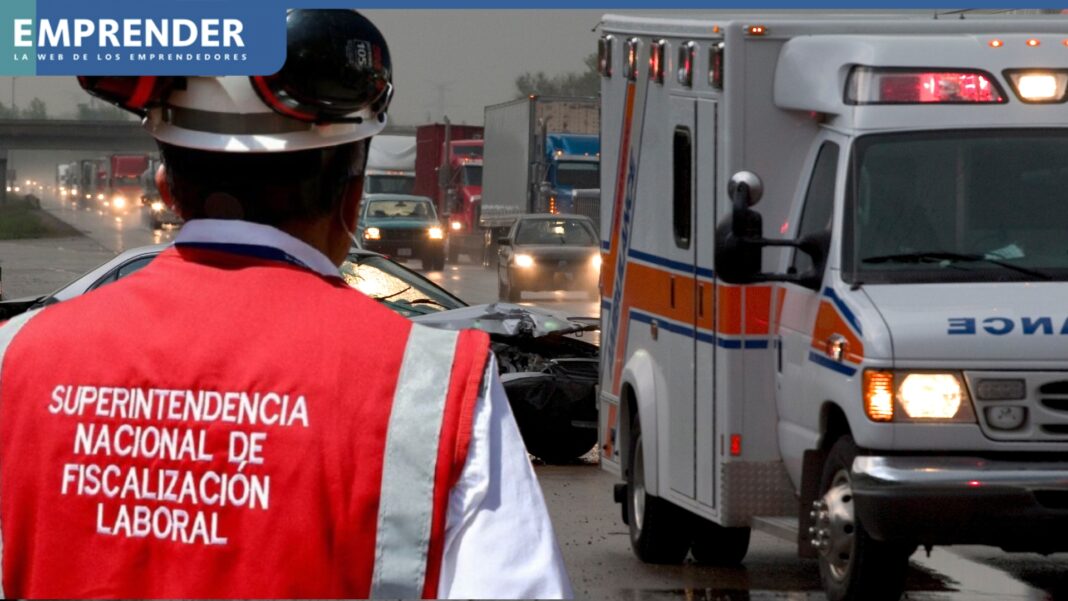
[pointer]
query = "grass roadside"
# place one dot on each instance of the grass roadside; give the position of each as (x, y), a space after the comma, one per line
(22, 218)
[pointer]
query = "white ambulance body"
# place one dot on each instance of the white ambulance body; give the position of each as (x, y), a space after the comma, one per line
(903, 380)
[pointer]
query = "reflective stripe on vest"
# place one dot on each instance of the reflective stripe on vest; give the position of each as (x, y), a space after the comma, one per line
(406, 505)
(7, 334)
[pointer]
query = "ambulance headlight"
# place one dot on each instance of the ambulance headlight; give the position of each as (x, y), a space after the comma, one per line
(931, 396)
(908, 396)
(1039, 86)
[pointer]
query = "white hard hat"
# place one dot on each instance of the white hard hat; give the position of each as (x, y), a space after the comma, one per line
(334, 88)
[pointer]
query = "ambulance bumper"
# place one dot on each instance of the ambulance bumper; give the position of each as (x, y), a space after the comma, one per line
(1016, 505)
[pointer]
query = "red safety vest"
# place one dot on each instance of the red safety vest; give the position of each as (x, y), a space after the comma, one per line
(219, 425)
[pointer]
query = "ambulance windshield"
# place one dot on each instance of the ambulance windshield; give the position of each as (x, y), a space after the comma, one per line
(974, 206)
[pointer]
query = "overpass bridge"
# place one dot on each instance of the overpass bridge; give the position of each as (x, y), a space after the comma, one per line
(93, 137)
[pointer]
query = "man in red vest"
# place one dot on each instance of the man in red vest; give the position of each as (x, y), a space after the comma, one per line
(234, 420)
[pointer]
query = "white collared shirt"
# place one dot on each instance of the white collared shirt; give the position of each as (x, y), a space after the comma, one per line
(499, 542)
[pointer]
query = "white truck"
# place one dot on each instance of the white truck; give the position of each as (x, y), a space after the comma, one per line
(390, 165)
(542, 155)
(884, 366)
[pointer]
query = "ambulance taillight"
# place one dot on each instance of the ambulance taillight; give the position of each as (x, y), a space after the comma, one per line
(686, 57)
(1038, 86)
(656, 61)
(894, 85)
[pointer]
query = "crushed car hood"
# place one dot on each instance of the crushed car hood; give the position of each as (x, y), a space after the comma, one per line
(509, 320)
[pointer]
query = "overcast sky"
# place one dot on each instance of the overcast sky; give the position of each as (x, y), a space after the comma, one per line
(456, 61)
(445, 61)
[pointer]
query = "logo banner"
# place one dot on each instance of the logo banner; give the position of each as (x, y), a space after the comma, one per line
(127, 37)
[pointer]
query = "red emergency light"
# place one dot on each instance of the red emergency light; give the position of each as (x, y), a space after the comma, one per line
(631, 71)
(715, 65)
(892, 85)
(656, 61)
(604, 55)
(687, 56)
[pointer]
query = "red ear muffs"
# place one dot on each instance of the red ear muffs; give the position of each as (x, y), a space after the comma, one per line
(134, 94)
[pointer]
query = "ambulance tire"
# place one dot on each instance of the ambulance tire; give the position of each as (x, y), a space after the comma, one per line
(715, 545)
(871, 570)
(659, 531)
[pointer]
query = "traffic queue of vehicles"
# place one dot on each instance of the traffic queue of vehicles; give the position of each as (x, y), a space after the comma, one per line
(111, 183)
(883, 366)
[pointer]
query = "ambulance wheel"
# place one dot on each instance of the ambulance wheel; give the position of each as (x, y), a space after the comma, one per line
(715, 545)
(659, 531)
(853, 566)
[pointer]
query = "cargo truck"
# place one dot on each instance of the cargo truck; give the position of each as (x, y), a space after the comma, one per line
(542, 156)
(883, 367)
(448, 169)
(390, 165)
(123, 184)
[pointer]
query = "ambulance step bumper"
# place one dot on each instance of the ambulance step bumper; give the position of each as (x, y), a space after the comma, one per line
(1019, 506)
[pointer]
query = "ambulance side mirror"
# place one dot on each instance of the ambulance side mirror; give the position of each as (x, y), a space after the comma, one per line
(740, 240)
(738, 255)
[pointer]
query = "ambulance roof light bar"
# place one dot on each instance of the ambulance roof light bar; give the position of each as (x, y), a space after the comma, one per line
(921, 85)
(656, 60)
(604, 55)
(687, 57)
(631, 70)
(1039, 86)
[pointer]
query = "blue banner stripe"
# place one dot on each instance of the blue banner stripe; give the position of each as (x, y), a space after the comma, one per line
(705, 337)
(844, 308)
(671, 263)
(831, 364)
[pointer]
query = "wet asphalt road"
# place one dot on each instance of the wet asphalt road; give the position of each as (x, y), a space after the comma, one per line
(592, 537)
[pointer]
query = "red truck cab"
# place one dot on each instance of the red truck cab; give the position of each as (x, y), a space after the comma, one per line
(448, 169)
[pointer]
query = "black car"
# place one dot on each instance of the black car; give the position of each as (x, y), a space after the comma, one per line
(548, 252)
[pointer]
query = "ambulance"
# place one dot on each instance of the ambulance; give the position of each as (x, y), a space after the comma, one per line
(835, 287)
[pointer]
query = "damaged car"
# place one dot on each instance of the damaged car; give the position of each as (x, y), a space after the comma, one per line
(549, 366)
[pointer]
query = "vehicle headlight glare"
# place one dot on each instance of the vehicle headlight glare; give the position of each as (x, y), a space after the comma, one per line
(157, 206)
(931, 396)
(524, 261)
(595, 261)
(100, 197)
(372, 233)
(118, 202)
(435, 233)
(456, 226)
